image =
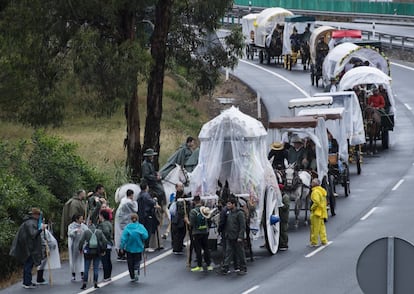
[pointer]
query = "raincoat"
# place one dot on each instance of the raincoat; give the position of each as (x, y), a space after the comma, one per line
(76, 260)
(123, 217)
(318, 215)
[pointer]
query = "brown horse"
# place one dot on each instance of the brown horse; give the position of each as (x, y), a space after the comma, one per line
(372, 120)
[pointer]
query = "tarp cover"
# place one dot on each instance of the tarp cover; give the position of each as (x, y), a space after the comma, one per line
(371, 55)
(267, 20)
(334, 56)
(367, 75)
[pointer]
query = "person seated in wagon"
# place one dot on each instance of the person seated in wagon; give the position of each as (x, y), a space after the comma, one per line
(296, 153)
(376, 100)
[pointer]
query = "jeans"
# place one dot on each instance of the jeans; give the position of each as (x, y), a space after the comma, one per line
(107, 264)
(134, 261)
(235, 252)
(95, 260)
(27, 271)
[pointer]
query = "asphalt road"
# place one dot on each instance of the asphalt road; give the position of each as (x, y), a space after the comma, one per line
(380, 204)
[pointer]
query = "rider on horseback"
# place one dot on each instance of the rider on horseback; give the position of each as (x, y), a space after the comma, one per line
(152, 177)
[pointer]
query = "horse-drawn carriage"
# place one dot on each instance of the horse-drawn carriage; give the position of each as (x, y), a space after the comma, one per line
(233, 150)
(378, 123)
(296, 35)
(318, 49)
(311, 129)
(263, 33)
(352, 120)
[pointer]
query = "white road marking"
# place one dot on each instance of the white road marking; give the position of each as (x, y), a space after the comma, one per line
(318, 250)
(402, 65)
(251, 289)
(368, 214)
(408, 106)
(126, 273)
(397, 185)
(277, 75)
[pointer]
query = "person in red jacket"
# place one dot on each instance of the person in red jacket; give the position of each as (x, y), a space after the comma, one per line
(376, 100)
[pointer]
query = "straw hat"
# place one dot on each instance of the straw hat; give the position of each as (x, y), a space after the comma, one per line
(277, 146)
(206, 211)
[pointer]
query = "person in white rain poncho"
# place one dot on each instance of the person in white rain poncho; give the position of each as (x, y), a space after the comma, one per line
(127, 206)
(75, 230)
(49, 243)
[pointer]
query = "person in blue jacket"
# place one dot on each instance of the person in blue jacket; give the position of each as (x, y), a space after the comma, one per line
(132, 242)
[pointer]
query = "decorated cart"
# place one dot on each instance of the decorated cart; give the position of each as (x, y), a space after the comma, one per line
(296, 35)
(233, 150)
(367, 76)
(318, 49)
(264, 33)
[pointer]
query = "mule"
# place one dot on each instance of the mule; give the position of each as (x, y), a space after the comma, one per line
(297, 187)
(372, 120)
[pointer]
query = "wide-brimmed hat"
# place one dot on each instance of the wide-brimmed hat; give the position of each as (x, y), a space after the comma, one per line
(150, 152)
(206, 211)
(296, 139)
(277, 146)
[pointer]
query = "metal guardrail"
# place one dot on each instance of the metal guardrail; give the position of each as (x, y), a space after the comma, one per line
(388, 41)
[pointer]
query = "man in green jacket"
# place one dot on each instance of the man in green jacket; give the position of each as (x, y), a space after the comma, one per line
(235, 233)
(74, 206)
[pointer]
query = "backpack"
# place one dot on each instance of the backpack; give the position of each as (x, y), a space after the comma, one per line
(201, 222)
(93, 241)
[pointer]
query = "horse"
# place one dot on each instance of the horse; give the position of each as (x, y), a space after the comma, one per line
(305, 54)
(372, 119)
(274, 46)
(177, 174)
(297, 187)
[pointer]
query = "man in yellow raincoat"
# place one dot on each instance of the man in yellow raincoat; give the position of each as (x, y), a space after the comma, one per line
(318, 214)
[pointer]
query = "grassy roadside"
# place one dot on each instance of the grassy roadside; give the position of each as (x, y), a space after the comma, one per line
(181, 117)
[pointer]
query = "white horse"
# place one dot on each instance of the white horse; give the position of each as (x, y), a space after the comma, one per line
(177, 174)
(297, 186)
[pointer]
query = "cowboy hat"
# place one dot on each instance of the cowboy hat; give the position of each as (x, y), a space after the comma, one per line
(296, 139)
(206, 211)
(150, 152)
(277, 146)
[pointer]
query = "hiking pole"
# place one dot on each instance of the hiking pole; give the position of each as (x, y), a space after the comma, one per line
(145, 263)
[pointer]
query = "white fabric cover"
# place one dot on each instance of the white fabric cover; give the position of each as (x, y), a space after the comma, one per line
(267, 20)
(334, 56)
(313, 40)
(367, 75)
(374, 58)
(248, 24)
(352, 116)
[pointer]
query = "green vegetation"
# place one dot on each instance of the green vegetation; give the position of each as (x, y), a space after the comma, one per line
(45, 167)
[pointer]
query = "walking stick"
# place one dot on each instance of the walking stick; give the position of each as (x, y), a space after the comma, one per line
(187, 234)
(48, 259)
(145, 263)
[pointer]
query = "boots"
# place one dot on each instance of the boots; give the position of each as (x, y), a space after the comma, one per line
(40, 280)
(83, 286)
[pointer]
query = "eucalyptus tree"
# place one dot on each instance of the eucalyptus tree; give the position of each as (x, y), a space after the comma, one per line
(100, 44)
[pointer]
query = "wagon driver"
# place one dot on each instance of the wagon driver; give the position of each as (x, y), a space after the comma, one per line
(376, 100)
(296, 153)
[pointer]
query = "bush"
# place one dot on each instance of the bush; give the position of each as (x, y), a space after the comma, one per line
(44, 174)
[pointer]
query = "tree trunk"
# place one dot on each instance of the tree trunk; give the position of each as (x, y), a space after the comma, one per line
(156, 81)
(132, 141)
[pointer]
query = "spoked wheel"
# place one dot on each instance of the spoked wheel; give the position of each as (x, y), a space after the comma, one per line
(270, 211)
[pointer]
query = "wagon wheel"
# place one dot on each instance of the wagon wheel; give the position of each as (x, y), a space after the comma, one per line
(331, 191)
(358, 161)
(270, 209)
(346, 181)
(384, 138)
(261, 57)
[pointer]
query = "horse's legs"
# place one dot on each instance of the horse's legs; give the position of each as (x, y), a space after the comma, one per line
(297, 210)
(248, 240)
(165, 214)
